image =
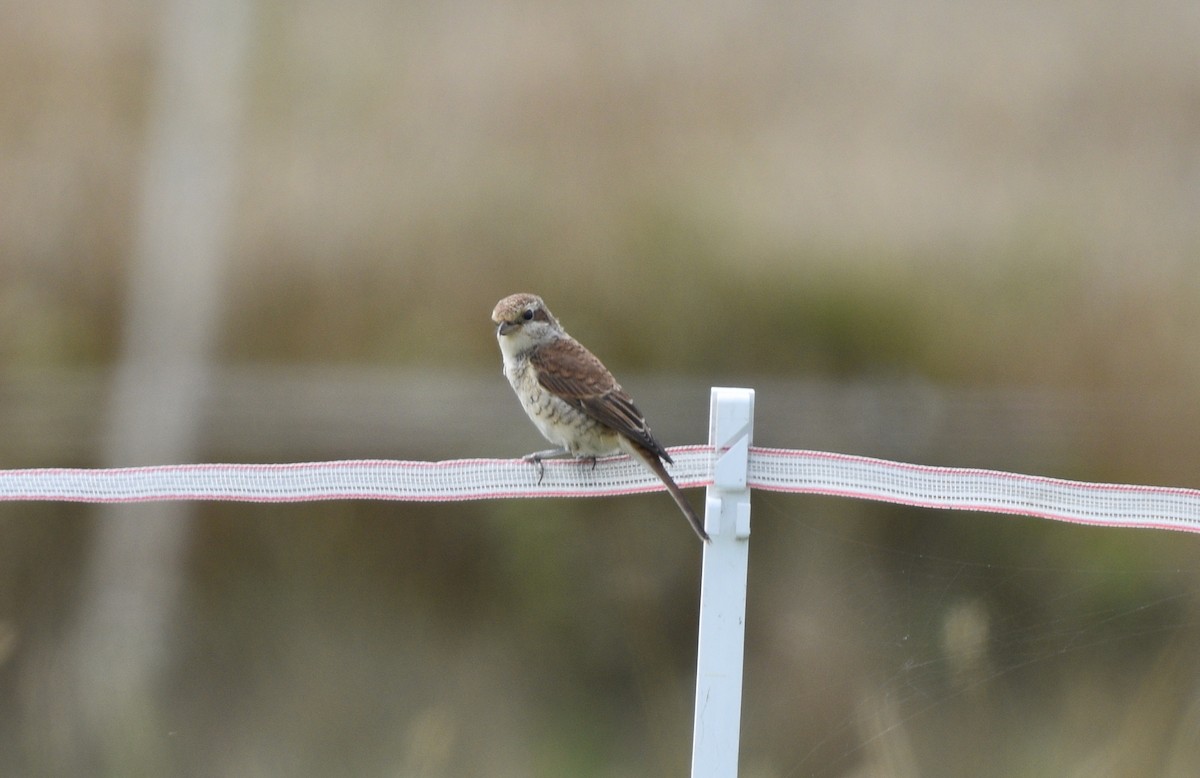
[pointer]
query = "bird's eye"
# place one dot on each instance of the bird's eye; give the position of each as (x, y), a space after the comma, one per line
(528, 315)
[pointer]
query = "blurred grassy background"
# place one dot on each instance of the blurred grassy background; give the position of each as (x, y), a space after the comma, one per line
(948, 233)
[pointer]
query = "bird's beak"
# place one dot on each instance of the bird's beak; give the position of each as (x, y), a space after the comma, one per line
(506, 327)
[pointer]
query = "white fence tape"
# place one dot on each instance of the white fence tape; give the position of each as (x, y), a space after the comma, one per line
(993, 491)
(782, 470)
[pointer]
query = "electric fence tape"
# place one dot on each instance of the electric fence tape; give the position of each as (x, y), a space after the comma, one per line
(781, 470)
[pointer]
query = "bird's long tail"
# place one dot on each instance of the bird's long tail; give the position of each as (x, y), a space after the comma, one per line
(651, 460)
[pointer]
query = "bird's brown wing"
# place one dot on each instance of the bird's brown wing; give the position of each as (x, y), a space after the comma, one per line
(574, 374)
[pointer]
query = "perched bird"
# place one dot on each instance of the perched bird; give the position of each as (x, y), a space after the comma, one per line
(571, 397)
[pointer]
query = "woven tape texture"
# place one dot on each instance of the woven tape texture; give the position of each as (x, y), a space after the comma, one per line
(780, 470)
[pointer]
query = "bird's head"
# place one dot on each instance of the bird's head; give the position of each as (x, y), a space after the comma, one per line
(523, 321)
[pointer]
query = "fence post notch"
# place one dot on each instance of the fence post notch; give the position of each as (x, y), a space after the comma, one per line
(719, 654)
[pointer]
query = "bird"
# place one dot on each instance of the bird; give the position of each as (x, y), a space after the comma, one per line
(572, 398)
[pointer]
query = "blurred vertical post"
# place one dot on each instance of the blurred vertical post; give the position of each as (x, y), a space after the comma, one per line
(173, 311)
(719, 654)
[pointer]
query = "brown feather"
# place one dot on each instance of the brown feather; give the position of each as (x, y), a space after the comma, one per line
(654, 464)
(571, 372)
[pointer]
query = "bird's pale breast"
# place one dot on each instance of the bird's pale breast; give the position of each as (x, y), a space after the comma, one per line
(561, 424)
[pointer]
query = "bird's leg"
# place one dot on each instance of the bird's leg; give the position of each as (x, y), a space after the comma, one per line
(537, 457)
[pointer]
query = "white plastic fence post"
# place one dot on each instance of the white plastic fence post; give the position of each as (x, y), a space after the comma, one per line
(719, 652)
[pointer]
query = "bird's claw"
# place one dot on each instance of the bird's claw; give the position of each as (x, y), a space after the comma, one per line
(541, 466)
(537, 457)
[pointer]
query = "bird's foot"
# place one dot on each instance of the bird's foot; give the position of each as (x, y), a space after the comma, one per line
(537, 457)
